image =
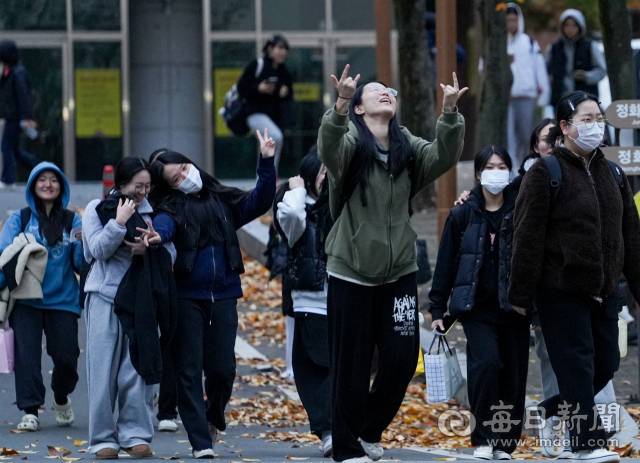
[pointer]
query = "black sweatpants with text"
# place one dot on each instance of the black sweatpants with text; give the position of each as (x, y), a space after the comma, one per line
(361, 318)
(582, 340)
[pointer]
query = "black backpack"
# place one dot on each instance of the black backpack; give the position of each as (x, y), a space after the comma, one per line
(555, 175)
(233, 112)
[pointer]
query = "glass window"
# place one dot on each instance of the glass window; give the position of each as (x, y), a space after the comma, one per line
(44, 66)
(361, 59)
(305, 66)
(305, 15)
(233, 15)
(32, 15)
(97, 107)
(96, 15)
(354, 15)
(234, 156)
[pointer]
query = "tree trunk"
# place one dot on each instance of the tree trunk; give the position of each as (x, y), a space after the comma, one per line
(616, 37)
(417, 77)
(496, 77)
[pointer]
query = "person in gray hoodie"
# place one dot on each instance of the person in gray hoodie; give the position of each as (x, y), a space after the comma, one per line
(111, 376)
(574, 62)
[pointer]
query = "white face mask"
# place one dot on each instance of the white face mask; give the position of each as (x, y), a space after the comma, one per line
(494, 180)
(192, 183)
(588, 139)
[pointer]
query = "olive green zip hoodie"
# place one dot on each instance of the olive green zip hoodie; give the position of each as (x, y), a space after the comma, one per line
(375, 244)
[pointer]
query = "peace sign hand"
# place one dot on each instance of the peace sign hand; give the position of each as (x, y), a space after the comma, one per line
(150, 236)
(346, 86)
(451, 95)
(267, 145)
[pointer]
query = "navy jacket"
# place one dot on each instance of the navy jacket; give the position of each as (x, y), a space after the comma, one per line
(16, 99)
(461, 254)
(210, 277)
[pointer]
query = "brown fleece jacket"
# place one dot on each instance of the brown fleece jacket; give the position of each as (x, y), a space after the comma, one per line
(583, 241)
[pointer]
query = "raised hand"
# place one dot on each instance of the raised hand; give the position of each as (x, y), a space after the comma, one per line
(126, 208)
(267, 145)
(346, 86)
(451, 94)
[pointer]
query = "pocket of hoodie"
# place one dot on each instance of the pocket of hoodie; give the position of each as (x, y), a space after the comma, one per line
(371, 249)
(403, 244)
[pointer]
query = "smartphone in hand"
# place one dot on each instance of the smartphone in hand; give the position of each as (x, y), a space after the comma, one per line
(448, 321)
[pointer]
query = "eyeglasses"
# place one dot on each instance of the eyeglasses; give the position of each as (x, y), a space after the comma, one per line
(142, 188)
(589, 123)
(388, 90)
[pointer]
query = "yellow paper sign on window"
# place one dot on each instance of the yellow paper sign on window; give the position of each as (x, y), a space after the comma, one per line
(223, 80)
(306, 92)
(98, 103)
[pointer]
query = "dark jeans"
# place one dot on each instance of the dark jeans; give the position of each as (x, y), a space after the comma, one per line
(204, 340)
(311, 369)
(361, 318)
(497, 365)
(582, 341)
(168, 395)
(61, 330)
(10, 147)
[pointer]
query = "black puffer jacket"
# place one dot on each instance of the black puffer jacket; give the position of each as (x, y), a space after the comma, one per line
(16, 99)
(308, 260)
(461, 254)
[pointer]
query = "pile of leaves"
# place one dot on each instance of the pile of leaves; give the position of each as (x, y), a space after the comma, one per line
(269, 409)
(262, 327)
(256, 287)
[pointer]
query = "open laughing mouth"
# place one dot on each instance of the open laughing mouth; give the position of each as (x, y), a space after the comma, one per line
(385, 100)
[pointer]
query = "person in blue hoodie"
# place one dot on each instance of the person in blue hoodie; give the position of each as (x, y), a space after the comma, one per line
(200, 216)
(56, 314)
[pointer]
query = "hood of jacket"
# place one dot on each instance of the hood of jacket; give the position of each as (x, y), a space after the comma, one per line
(578, 17)
(9, 53)
(37, 170)
(516, 7)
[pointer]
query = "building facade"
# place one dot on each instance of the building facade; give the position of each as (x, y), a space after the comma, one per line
(113, 78)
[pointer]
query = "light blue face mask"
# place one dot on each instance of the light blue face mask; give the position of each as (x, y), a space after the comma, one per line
(192, 183)
(494, 180)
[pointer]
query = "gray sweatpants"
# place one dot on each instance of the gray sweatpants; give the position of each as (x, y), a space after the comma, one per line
(521, 121)
(111, 378)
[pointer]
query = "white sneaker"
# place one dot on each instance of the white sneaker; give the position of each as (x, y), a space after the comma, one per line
(597, 456)
(501, 455)
(552, 437)
(64, 413)
(206, 453)
(327, 445)
(567, 454)
(358, 460)
(483, 452)
(374, 451)
(7, 186)
(168, 426)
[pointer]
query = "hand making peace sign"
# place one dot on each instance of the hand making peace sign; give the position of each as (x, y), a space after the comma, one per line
(451, 95)
(267, 145)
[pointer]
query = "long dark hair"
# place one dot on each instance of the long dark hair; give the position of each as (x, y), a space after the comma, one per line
(565, 109)
(309, 167)
(535, 136)
(52, 225)
(400, 151)
(192, 209)
(482, 157)
(128, 168)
